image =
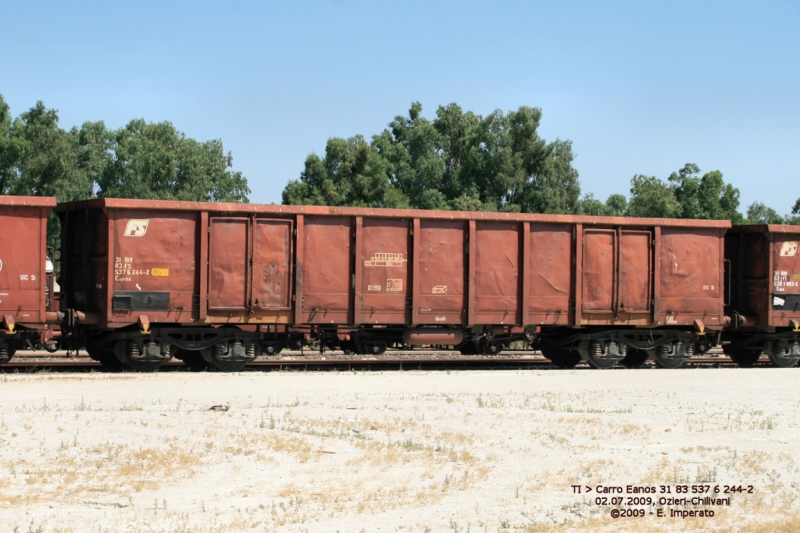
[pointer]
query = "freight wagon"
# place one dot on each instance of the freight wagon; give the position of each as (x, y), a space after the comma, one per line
(764, 299)
(26, 283)
(219, 284)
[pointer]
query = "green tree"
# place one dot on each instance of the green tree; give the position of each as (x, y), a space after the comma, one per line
(141, 160)
(706, 197)
(589, 205)
(459, 160)
(416, 166)
(615, 205)
(758, 213)
(352, 173)
(9, 151)
(554, 188)
(685, 194)
(41, 159)
(651, 197)
(155, 161)
(38, 158)
(44, 159)
(794, 218)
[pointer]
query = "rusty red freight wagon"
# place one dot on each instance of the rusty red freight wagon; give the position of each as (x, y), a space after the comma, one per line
(764, 300)
(25, 283)
(221, 283)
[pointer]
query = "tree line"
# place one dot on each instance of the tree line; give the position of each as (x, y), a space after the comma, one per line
(463, 161)
(459, 160)
(140, 160)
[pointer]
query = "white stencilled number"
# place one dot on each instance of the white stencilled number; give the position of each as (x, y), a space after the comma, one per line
(33, 277)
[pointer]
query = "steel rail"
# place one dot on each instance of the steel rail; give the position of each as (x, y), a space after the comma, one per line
(78, 362)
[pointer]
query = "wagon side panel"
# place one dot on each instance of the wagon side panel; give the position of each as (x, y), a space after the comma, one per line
(497, 273)
(551, 274)
(784, 300)
(153, 265)
(22, 263)
(228, 264)
(691, 270)
(442, 267)
(383, 288)
(272, 265)
(327, 277)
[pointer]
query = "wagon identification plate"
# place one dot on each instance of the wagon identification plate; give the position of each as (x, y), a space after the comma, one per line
(124, 270)
(394, 285)
(781, 280)
(385, 260)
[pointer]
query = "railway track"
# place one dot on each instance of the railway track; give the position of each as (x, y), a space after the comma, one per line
(37, 361)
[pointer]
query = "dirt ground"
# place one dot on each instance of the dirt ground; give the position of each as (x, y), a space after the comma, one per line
(416, 451)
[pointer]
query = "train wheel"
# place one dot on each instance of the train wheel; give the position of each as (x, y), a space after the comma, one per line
(109, 362)
(562, 358)
(664, 359)
(6, 352)
(193, 360)
(273, 348)
(467, 348)
(368, 347)
(232, 357)
(489, 348)
(138, 360)
(107, 359)
(783, 361)
(780, 353)
(668, 362)
(634, 358)
(744, 357)
(593, 353)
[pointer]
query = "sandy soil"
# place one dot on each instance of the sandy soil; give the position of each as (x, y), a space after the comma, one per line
(458, 451)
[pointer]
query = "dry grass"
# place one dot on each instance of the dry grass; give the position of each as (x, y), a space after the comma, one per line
(403, 452)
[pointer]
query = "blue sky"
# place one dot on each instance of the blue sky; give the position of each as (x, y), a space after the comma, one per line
(638, 87)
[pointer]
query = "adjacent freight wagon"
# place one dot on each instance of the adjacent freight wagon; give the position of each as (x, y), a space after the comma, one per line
(219, 284)
(26, 320)
(764, 285)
